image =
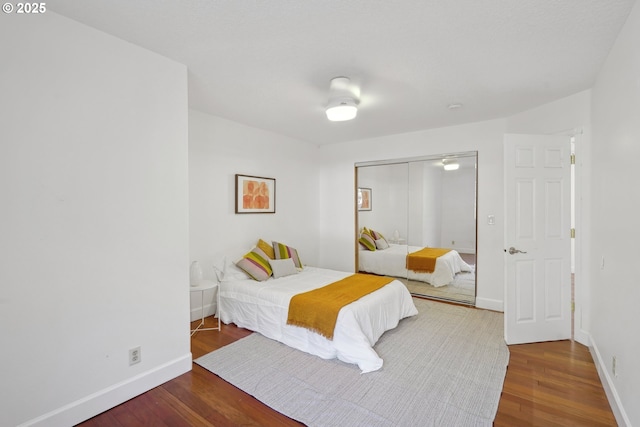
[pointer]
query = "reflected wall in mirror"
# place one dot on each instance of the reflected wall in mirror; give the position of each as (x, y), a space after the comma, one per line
(426, 215)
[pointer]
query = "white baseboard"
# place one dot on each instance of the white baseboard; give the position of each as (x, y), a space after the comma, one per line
(609, 387)
(209, 310)
(490, 304)
(110, 397)
(582, 337)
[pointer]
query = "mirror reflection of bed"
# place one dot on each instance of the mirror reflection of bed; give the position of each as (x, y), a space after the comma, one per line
(417, 204)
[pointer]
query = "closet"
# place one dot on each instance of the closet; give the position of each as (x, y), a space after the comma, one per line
(421, 202)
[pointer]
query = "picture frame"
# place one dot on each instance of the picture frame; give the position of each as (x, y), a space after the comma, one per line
(364, 199)
(255, 194)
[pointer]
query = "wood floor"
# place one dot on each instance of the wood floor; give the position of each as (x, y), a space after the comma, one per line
(547, 384)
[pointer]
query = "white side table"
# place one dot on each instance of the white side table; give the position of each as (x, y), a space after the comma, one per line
(398, 241)
(205, 285)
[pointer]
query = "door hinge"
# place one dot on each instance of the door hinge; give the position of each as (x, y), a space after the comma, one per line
(573, 233)
(573, 159)
(573, 306)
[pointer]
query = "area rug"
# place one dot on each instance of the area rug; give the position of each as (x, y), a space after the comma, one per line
(443, 367)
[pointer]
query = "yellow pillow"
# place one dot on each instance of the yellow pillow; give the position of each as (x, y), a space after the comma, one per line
(267, 249)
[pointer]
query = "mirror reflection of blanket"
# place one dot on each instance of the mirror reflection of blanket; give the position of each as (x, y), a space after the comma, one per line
(424, 260)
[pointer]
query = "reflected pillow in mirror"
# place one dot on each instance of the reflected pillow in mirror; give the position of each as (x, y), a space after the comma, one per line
(367, 241)
(283, 267)
(382, 244)
(376, 235)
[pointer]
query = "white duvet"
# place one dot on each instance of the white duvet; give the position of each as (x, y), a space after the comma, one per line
(393, 262)
(263, 307)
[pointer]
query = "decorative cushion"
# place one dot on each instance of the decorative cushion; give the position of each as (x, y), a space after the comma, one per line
(282, 267)
(367, 241)
(381, 244)
(283, 251)
(256, 264)
(376, 235)
(267, 248)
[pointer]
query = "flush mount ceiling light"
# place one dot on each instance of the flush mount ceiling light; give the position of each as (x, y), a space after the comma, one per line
(450, 165)
(343, 100)
(340, 110)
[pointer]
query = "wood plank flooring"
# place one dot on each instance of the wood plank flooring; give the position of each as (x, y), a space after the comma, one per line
(547, 384)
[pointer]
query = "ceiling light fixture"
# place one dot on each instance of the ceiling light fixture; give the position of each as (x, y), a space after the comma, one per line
(450, 165)
(343, 101)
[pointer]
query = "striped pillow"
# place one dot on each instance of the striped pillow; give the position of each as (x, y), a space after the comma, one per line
(267, 248)
(367, 241)
(376, 235)
(283, 251)
(256, 264)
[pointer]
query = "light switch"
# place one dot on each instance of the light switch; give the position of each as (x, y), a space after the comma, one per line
(491, 219)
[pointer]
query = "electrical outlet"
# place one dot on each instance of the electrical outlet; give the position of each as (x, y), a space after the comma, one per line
(135, 356)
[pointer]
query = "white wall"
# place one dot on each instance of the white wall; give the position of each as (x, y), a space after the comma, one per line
(337, 221)
(615, 204)
(94, 220)
(219, 149)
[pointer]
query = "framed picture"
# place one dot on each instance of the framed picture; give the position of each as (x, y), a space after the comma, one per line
(364, 199)
(255, 194)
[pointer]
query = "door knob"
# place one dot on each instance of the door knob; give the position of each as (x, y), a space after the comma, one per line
(513, 250)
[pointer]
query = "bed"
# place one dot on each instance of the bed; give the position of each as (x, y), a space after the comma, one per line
(263, 307)
(392, 261)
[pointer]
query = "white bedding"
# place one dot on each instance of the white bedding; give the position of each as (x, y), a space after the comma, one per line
(393, 262)
(263, 307)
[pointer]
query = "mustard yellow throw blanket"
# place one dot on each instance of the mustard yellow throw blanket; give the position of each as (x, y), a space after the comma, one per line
(318, 309)
(424, 260)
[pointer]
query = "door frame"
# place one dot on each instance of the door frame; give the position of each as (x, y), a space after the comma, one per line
(581, 277)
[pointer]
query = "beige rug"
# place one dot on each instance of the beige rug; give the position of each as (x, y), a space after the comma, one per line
(443, 367)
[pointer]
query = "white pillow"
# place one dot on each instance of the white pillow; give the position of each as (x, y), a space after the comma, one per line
(283, 267)
(233, 272)
(218, 268)
(382, 243)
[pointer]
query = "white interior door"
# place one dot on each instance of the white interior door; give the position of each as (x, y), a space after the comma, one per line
(537, 238)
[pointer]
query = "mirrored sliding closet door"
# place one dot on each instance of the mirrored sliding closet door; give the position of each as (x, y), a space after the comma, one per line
(416, 220)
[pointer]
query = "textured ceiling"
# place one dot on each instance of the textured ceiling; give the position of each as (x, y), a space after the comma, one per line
(268, 63)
